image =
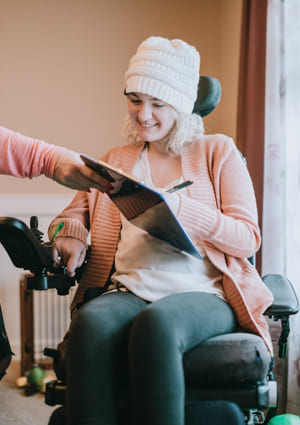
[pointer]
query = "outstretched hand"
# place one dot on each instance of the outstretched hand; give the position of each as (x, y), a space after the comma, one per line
(70, 171)
(69, 252)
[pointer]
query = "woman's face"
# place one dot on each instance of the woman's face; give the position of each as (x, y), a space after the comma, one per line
(152, 118)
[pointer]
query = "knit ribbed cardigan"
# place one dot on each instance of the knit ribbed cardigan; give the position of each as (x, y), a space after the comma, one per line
(221, 212)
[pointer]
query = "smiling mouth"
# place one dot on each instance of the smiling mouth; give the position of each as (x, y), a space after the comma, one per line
(147, 125)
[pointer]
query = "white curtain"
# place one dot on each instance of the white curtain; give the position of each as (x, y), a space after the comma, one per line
(281, 205)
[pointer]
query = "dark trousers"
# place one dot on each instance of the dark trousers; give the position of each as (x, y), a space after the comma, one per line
(118, 341)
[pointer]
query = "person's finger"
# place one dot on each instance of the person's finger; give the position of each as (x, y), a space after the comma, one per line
(72, 264)
(91, 179)
(56, 255)
(81, 257)
(84, 183)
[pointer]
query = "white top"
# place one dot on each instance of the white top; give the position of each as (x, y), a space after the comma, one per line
(153, 269)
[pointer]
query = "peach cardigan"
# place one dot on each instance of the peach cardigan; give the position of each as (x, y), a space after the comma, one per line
(221, 212)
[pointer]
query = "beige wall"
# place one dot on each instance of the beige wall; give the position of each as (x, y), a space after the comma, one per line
(62, 66)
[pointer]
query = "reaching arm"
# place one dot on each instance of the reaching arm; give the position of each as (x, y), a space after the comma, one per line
(22, 156)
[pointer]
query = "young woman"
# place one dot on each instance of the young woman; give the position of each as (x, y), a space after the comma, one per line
(160, 302)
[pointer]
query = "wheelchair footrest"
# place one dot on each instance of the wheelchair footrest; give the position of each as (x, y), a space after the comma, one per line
(55, 393)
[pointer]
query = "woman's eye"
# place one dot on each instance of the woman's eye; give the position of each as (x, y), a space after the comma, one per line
(135, 101)
(158, 105)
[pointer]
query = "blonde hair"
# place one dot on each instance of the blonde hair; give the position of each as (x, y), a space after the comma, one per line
(187, 128)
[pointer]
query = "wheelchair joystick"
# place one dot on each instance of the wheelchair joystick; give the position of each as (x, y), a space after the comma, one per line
(34, 222)
(49, 276)
(27, 250)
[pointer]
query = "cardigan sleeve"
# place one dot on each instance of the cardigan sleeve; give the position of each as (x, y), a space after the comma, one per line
(232, 226)
(22, 156)
(75, 217)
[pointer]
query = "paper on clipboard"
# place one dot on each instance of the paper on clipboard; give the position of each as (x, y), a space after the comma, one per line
(143, 207)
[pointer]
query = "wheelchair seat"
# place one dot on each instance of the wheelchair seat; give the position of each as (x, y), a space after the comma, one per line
(227, 361)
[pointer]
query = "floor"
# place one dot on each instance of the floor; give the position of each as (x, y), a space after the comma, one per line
(16, 408)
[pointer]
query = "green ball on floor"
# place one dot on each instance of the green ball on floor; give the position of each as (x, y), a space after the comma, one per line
(35, 377)
(285, 420)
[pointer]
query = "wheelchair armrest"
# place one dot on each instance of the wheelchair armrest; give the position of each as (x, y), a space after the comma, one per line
(285, 301)
(23, 246)
(284, 305)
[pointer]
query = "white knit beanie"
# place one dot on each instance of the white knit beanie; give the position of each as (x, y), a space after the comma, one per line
(166, 69)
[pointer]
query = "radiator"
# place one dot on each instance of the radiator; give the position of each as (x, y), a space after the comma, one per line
(51, 320)
(45, 318)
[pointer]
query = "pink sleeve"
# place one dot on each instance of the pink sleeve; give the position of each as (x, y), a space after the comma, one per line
(233, 228)
(22, 156)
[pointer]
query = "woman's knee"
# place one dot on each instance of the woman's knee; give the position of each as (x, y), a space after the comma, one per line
(86, 323)
(104, 320)
(151, 329)
(85, 338)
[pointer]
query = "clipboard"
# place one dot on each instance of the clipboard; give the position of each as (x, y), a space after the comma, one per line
(143, 206)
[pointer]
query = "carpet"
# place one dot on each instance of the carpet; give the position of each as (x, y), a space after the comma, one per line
(16, 408)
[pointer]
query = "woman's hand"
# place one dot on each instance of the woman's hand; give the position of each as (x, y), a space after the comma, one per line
(69, 252)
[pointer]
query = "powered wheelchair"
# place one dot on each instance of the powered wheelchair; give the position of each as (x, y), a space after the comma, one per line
(235, 369)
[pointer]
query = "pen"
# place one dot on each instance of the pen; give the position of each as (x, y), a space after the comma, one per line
(58, 229)
(180, 186)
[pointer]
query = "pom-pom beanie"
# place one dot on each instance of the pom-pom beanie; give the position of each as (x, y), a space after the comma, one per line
(168, 70)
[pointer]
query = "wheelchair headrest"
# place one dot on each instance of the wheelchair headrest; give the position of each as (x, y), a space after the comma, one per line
(209, 95)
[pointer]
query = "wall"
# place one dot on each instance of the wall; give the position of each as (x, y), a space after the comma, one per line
(61, 80)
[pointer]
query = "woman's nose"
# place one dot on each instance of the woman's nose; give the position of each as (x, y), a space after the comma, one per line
(145, 112)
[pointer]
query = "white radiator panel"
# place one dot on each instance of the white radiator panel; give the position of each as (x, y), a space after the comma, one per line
(51, 319)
